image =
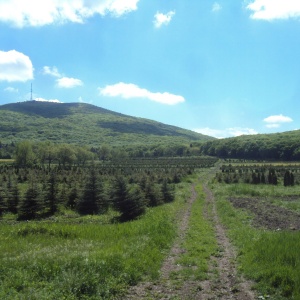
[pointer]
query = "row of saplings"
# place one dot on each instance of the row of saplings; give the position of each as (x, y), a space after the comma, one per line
(95, 197)
(257, 178)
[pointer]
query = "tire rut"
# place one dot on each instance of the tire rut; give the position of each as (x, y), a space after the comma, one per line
(223, 281)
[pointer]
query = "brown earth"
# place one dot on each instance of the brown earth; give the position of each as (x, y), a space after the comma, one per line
(267, 215)
(223, 280)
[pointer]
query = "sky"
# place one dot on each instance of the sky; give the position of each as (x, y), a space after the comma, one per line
(222, 68)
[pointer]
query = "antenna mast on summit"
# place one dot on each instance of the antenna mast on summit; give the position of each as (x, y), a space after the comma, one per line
(31, 93)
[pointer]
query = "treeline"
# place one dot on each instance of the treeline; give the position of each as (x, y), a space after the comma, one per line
(278, 146)
(36, 193)
(51, 152)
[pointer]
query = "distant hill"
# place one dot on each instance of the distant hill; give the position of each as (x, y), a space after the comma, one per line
(85, 124)
(276, 146)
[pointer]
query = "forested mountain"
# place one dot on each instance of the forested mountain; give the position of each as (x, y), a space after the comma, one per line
(85, 124)
(277, 146)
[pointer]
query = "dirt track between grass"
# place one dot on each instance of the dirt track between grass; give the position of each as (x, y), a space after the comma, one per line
(223, 281)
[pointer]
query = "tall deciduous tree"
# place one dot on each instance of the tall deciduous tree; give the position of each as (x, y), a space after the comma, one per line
(24, 155)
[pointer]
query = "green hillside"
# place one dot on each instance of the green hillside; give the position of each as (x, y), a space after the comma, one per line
(276, 146)
(85, 124)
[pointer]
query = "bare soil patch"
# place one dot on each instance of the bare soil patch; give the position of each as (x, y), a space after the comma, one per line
(267, 215)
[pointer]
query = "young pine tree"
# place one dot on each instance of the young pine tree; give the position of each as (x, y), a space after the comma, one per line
(30, 206)
(13, 198)
(167, 191)
(51, 199)
(92, 200)
(130, 203)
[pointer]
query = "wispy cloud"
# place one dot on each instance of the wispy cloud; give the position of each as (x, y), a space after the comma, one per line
(11, 90)
(52, 71)
(274, 9)
(161, 19)
(39, 13)
(15, 66)
(62, 81)
(130, 90)
(216, 7)
(276, 121)
(224, 133)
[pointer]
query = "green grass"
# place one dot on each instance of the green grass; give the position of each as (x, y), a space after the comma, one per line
(199, 243)
(271, 259)
(84, 260)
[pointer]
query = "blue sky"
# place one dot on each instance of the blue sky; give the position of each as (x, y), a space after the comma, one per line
(222, 68)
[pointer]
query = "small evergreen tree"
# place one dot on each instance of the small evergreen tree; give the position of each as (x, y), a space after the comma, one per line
(51, 195)
(13, 198)
(73, 198)
(130, 203)
(152, 195)
(167, 191)
(30, 205)
(93, 200)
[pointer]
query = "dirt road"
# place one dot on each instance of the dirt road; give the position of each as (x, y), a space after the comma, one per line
(223, 281)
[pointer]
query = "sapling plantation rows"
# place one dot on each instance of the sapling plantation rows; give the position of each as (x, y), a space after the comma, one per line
(285, 174)
(127, 187)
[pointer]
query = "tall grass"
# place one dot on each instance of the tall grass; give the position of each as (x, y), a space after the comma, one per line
(57, 260)
(271, 259)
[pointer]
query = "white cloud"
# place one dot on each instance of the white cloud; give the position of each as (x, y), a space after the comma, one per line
(15, 66)
(44, 100)
(62, 81)
(274, 9)
(216, 7)
(129, 90)
(163, 19)
(276, 120)
(45, 12)
(11, 90)
(68, 82)
(228, 132)
(51, 71)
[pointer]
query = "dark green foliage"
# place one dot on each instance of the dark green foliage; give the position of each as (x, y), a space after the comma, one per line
(30, 205)
(272, 177)
(73, 198)
(93, 200)
(277, 146)
(13, 199)
(167, 191)
(152, 194)
(130, 203)
(51, 199)
(288, 178)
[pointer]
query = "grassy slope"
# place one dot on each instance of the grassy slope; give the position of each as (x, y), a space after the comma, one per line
(84, 124)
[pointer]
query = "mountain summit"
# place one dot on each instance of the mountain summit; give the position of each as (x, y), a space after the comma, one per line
(84, 124)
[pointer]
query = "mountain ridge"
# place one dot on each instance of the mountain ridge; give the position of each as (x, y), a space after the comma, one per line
(85, 124)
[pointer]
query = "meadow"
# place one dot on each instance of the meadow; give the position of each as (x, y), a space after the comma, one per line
(94, 256)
